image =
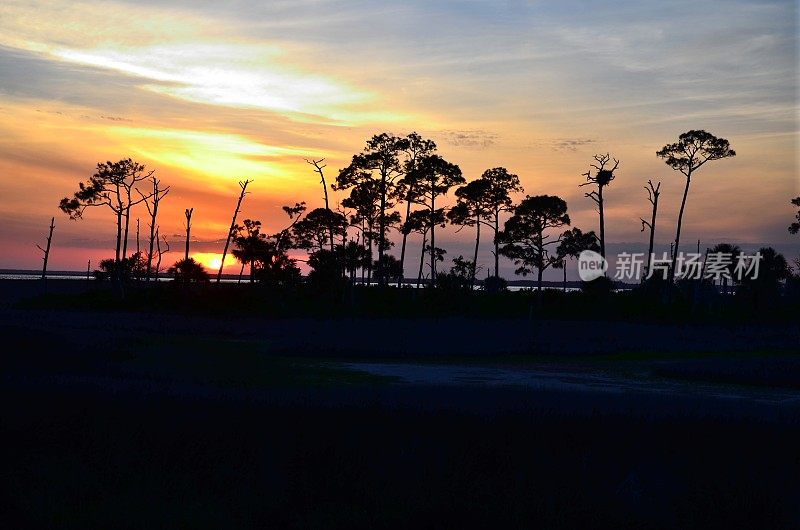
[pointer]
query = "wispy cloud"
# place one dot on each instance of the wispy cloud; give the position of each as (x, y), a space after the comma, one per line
(208, 92)
(469, 138)
(567, 144)
(230, 75)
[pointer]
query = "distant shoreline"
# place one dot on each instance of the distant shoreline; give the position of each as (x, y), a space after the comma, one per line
(27, 274)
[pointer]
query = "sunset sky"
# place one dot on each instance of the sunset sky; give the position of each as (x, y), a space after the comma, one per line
(208, 93)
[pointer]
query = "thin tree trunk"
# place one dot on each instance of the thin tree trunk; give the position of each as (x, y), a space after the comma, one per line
(602, 221)
(156, 196)
(496, 244)
(369, 265)
(242, 185)
(475, 254)
(188, 214)
(362, 239)
(152, 239)
(46, 250)
(565, 275)
(422, 258)
(342, 257)
(327, 207)
(119, 241)
(241, 273)
(382, 234)
(678, 231)
(119, 211)
(135, 266)
(652, 232)
(318, 169)
(433, 241)
(405, 240)
(158, 261)
(127, 229)
(540, 268)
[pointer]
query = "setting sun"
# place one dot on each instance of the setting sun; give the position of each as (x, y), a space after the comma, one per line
(210, 260)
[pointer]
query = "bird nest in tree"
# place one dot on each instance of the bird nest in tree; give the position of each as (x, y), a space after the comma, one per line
(604, 176)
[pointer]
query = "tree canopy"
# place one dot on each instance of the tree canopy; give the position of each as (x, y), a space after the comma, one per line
(525, 236)
(693, 150)
(795, 226)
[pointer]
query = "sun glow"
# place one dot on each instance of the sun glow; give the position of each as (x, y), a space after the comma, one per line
(211, 260)
(215, 155)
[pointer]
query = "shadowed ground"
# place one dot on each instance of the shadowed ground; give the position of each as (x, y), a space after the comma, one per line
(124, 420)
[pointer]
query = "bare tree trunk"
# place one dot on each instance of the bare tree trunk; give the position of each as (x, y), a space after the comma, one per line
(652, 197)
(119, 242)
(565, 275)
(678, 231)
(496, 244)
(433, 241)
(158, 249)
(188, 213)
(382, 234)
(405, 240)
(152, 241)
(135, 266)
(540, 267)
(602, 222)
(157, 195)
(318, 166)
(369, 266)
(327, 207)
(652, 233)
(362, 237)
(127, 229)
(118, 210)
(242, 185)
(160, 252)
(422, 258)
(475, 254)
(241, 273)
(46, 250)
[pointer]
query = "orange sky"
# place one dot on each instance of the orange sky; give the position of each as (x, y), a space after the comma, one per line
(208, 95)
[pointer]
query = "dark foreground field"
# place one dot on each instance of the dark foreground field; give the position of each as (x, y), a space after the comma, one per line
(120, 420)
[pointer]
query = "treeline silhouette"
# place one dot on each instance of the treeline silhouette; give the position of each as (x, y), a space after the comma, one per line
(397, 185)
